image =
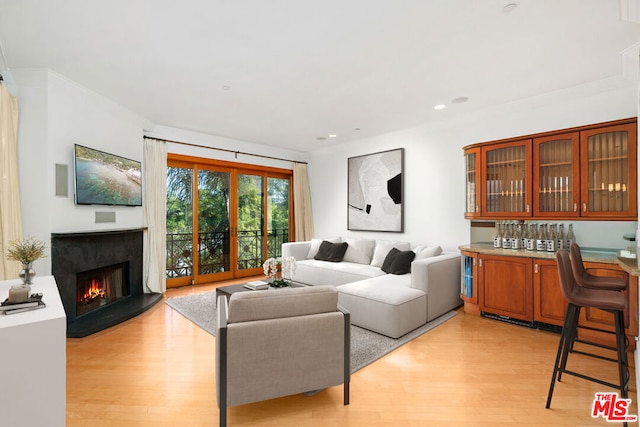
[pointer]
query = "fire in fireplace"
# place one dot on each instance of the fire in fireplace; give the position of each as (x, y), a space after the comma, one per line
(101, 286)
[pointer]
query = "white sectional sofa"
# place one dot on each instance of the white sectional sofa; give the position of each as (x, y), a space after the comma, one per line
(390, 304)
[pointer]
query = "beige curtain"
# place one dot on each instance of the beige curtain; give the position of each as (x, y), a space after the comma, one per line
(302, 203)
(10, 215)
(154, 179)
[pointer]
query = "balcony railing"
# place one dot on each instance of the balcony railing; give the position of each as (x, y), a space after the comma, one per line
(179, 255)
(214, 249)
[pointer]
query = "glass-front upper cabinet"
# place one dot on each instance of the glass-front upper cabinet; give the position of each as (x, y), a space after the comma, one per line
(608, 171)
(556, 175)
(507, 180)
(472, 182)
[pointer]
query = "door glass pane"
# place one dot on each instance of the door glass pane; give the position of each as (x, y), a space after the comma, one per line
(250, 221)
(608, 172)
(179, 222)
(213, 222)
(278, 218)
(555, 189)
(506, 179)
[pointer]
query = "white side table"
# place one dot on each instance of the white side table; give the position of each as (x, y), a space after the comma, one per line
(33, 365)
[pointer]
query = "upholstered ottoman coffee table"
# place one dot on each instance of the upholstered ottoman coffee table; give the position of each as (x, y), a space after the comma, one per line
(387, 309)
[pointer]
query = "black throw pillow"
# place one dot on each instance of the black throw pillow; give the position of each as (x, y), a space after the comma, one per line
(398, 262)
(333, 252)
(386, 264)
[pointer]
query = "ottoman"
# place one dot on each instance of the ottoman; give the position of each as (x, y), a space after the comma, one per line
(388, 309)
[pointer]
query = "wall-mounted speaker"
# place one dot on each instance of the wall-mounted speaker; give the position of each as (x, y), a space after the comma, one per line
(102, 217)
(62, 180)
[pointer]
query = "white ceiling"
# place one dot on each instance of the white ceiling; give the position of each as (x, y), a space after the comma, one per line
(284, 72)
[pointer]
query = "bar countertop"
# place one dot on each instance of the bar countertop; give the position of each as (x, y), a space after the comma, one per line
(626, 258)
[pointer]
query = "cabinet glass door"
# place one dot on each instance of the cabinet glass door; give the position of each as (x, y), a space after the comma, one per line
(556, 175)
(468, 286)
(472, 177)
(506, 177)
(609, 171)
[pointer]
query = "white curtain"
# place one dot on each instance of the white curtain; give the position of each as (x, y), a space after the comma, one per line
(10, 215)
(302, 203)
(155, 214)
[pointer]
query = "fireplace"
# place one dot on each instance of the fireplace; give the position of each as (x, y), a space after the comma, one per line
(99, 277)
(99, 287)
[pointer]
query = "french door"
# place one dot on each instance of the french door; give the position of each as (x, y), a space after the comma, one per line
(223, 221)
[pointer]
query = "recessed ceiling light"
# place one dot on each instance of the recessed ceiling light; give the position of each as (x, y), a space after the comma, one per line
(321, 138)
(332, 136)
(440, 107)
(356, 129)
(225, 87)
(460, 100)
(509, 7)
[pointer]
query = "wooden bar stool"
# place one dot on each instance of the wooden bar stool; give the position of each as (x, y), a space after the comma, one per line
(584, 278)
(609, 300)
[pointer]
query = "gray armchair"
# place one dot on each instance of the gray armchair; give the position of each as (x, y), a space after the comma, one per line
(280, 342)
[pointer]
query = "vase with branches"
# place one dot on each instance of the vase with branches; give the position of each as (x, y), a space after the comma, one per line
(26, 252)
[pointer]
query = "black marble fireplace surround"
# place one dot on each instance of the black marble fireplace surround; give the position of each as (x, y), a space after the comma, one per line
(72, 253)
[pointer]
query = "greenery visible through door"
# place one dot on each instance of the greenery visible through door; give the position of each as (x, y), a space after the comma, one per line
(240, 217)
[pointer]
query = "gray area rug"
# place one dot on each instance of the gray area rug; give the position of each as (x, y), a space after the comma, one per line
(366, 346)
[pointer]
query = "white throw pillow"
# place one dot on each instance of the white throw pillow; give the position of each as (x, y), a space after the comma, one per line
(382, 249)
(359, 250)
(423, 252)
(315, 245)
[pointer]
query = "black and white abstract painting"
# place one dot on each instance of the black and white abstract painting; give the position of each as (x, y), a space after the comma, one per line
(375, 191)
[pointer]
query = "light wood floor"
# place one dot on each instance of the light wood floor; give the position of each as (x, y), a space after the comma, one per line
(158, 370)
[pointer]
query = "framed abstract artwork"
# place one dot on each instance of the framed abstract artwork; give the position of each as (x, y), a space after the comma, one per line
(375, 193)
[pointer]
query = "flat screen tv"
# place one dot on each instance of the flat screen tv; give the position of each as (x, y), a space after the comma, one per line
(106, 179)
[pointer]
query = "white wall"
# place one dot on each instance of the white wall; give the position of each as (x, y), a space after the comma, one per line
(205, 140)
(79, 116)
(434, 167)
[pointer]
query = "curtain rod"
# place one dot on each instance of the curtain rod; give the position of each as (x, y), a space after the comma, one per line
(225, 150)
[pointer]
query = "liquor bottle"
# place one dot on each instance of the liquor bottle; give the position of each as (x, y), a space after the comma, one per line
(530, 240)
(551, 239)
(560, 242)
(506, 237)
(516, 238)
(571, 238)
(541, 239)
(497, 238)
